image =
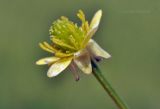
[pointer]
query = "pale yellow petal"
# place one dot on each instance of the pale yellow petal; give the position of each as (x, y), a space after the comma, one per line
(47, 60)
(83, 61)
(96, 20)
(58, 67)
(96, 50)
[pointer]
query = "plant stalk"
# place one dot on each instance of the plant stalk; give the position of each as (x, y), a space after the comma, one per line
(107, 87)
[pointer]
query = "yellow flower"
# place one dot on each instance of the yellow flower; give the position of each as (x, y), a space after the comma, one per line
(72, 45)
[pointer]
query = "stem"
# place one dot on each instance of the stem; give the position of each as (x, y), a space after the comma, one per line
(108, 88)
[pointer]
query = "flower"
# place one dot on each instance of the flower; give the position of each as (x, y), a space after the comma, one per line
(72, 45)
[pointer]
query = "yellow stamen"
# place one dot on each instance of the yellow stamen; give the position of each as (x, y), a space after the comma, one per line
(62, 44)
(60, 54)
(45, 48)
(50, 47)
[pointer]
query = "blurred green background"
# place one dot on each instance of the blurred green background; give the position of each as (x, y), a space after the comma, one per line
(129, 31)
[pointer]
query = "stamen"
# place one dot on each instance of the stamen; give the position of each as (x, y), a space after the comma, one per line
(45, 48)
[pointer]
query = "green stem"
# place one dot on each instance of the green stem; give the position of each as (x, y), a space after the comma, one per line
(108, 88)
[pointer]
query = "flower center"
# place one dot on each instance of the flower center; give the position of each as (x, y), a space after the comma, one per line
(66, 35)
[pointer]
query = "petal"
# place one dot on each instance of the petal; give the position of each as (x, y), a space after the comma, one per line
(58, 67)
(95, 21)
(47, 60)
(96, 51)
(83, 61)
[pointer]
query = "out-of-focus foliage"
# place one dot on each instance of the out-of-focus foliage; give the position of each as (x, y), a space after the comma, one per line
(129, 31)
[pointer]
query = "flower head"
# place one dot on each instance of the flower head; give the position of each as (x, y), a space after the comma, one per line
(72, 45)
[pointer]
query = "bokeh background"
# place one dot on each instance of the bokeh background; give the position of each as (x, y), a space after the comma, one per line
(129, 31)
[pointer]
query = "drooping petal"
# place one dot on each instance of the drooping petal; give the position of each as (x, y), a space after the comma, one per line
(83, 61)
(96, 51)
(74, 71)
(95, 21)
(58, 67)
(47, 60)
